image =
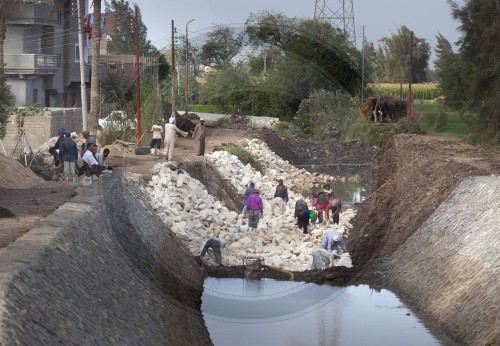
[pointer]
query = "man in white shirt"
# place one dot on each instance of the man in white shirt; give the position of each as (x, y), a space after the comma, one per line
(92, 166)
(155, 144)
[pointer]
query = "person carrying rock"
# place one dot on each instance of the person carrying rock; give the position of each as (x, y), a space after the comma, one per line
(280, 198)
(255, 209)
(217, 245)
(335, 205)
(246, 194)
(304, 217)
(325, 255)
(319, 208)
(170, 135)
(324, 199)
(300, 205)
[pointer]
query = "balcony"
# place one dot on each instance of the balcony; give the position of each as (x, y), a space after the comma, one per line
(30, 64)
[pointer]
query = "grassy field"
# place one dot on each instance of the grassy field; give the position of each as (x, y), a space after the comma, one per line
(421, 91)
(436, 117)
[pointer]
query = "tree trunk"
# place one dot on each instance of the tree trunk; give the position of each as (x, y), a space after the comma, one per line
(94, 83)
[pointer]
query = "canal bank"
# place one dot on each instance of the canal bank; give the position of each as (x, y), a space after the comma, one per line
(102, 269)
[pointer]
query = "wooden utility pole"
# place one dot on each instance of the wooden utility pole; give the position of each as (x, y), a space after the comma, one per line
(138, 76)
(172, 68)
(410, 96)
(186, 101)
(95, 103)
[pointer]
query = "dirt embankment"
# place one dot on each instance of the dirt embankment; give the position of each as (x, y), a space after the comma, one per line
(413, 175)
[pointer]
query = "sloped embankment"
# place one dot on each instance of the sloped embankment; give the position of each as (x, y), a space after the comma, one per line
(431, 229)
(102, 269)
(449, 268)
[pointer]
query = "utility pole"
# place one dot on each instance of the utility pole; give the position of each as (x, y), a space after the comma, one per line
(265, 62)
(83, 87)
(186, 99)
(363, 67)
(410, 96)
(173, 70)
(138, 76)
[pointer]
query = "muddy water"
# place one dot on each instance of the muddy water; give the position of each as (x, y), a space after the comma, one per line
(347, 191)
(268, 312)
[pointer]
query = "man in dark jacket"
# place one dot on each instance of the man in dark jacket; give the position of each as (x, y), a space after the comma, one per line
(70, 156)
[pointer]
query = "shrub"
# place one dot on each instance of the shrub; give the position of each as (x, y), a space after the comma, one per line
(245, 157)
(325, 114)
(407, 126)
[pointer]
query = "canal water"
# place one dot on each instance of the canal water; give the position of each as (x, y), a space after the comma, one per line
(268, 312)
(348, 191)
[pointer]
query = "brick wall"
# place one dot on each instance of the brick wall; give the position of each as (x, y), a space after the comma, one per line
(39, 126)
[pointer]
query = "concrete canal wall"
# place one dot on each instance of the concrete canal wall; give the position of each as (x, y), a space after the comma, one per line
(102, 269)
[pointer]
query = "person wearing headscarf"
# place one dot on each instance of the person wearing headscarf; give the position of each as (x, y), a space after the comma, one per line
(255, 209)
(217, 245)
(172, 120)
(199, 137)
(170, 135)
(246, 194)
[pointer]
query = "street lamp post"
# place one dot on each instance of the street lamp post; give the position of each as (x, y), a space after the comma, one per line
(187, 67)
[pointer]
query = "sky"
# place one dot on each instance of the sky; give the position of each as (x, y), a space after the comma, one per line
(380, 18)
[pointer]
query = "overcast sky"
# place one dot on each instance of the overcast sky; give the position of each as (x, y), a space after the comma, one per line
(380, 17)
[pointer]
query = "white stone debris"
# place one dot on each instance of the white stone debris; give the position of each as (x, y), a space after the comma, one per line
(194, 215)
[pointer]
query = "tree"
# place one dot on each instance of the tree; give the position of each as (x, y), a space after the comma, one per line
(480, 26)
(122, 41)
(222, 45)
(319, 56)
(453, 73)
(93, 121)
(394, 56)
(6, 100)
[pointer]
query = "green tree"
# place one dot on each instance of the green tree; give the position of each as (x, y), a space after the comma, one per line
(222, 45)
(6, 99)
(122, 41)
(480, 27)
(325, 114)
(394, 57)
(454, 73)
(320, 56)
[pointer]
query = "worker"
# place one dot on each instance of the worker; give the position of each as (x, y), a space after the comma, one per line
(199, 137)
(170, 135)
(280, 198)
(246, 194)
(324, 256)
(255, 209)
(217, 245)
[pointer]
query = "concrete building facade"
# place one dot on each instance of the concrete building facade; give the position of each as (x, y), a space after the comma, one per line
(41, 53)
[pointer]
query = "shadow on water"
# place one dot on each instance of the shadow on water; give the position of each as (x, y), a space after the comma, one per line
(252, 312)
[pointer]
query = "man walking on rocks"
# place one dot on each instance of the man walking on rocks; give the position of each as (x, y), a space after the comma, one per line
(255, 209)
(170, 135)
(280, 198)
(246, 194)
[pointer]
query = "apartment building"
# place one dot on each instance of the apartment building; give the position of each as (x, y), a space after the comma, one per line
(41, 53)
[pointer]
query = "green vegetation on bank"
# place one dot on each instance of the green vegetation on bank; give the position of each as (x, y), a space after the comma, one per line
(245, 157)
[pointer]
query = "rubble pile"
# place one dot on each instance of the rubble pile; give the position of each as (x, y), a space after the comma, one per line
(194, 215)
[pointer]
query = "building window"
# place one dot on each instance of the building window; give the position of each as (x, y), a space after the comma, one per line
(35, 95)
(112, 66)
(77, 53)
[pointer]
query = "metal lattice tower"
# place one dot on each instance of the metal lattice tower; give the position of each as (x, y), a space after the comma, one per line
(339, 13)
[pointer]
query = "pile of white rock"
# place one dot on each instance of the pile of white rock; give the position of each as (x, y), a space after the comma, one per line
(194, 215)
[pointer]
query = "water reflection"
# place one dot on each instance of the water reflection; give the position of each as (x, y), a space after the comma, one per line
(267, 312)
(347, 191)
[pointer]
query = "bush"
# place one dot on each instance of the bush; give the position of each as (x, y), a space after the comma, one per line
(407, 126)
(324, 115)
(245, 157)
(440, 122)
